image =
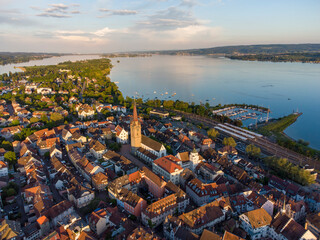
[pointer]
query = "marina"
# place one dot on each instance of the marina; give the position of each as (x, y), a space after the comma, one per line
(250, 116)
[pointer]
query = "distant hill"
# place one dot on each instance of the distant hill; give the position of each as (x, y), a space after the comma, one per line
(247, 49)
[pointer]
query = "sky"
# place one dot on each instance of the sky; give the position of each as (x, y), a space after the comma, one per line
(105, 26)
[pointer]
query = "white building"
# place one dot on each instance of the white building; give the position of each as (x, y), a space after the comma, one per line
(153, 146)
(190, 159)
(256, 223)
(122, 135)
(168, 168)
(3, 169)
(81, 197)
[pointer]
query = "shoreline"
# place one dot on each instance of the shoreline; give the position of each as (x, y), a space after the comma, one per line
(21, 68)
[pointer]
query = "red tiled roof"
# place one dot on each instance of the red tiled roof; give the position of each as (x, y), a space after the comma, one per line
(41, 220)
(168, 163)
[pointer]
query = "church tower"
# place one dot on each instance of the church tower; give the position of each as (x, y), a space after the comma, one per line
(194, 158)
(135, 130)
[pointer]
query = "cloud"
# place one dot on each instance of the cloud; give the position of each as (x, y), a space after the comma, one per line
(120, 12)
(103, 32)
(170, 18)
(188, 3)
(54, 15)
(57, 10)
(17, 20)
(59, 6)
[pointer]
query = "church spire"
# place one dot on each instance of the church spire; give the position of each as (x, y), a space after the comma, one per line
(135, 114)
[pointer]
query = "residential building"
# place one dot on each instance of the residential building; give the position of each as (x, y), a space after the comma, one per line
(98, 221)
(200, 192)
(256, 223)
(168, 168)
(157, 212)
(3, 169)
(285, 228)
(122, 135)
(100, 181)
(206, 216)
(313, 224)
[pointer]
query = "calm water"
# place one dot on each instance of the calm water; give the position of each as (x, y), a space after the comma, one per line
(284, 87)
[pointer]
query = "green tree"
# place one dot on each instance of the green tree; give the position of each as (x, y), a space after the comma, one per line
(253, 151)
(11, 192)
(229, 142)
(15, 123)
(44, 118)
(10, 157)
(34, 120)
(213, 133)
(56, 117)
(7, 145)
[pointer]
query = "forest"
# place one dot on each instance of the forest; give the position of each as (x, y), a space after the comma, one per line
(289, 57)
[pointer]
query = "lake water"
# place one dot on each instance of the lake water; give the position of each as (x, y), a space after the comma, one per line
(284, 87)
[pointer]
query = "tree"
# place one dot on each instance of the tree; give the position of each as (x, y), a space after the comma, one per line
(253, 151)
(10, 157)
(34, 120)
(15, 123)
(229, 142)
(212, 133)
(11, 192)
(7, 145)
(44, 118)
(56, 117)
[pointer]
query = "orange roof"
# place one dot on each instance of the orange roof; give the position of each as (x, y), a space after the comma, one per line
(135, 177)
(100, 178)
(89, 167)
(72, 130)
(168, 163)
(32, 190)
(40, 133)
(51, 141)
(41, 220)
(3, 164)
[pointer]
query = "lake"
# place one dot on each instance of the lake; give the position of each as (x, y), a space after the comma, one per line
(284, 87)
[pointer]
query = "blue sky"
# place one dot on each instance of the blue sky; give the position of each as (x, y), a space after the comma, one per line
(95, 26)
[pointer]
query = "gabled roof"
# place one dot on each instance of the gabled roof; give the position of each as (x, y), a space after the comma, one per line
(151, 143)
(258, 218)
(208, 235)
(42, 220)
(100, 178)
(168, 163)
(229, 236)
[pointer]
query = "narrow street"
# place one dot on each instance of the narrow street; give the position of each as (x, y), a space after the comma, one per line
(56, 196)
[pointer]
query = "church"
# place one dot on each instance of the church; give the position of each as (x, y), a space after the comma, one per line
(141, 145)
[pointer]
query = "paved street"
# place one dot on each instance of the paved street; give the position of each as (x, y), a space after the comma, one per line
(125, 151)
